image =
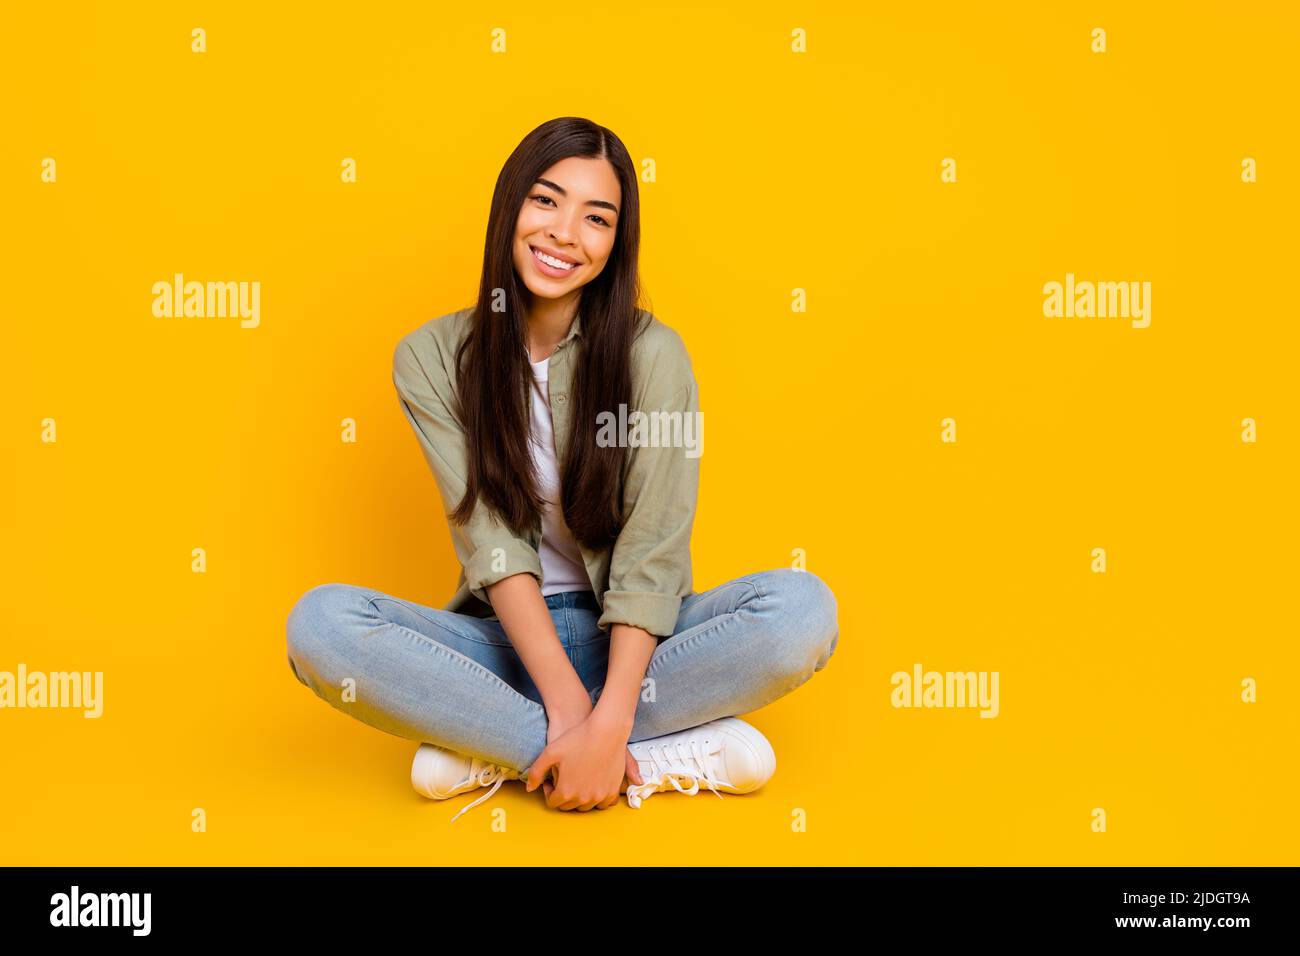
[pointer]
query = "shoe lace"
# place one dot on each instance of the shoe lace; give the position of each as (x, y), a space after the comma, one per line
(482, 773)
(670, 766)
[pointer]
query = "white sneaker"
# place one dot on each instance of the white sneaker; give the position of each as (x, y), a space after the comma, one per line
(726, 754)
(439, 773)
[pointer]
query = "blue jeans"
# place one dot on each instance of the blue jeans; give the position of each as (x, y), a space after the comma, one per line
(454, 680)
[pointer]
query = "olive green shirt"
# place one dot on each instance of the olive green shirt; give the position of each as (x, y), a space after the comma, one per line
(642, 579)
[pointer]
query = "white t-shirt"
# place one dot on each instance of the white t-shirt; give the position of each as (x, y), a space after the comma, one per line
(562, 565)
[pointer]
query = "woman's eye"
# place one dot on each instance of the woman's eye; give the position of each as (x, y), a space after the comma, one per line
(599, 219)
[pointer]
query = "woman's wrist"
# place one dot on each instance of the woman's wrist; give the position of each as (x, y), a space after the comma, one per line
(568, 707)
(609, 714)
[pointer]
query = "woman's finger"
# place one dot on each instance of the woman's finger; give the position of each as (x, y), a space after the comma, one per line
(537, 772)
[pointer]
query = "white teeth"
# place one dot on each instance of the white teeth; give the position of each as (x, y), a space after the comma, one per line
(552, 261)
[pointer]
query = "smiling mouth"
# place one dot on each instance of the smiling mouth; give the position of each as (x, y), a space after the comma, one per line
(553, 262)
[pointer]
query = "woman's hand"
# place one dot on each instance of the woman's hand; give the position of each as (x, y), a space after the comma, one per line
(590, 761)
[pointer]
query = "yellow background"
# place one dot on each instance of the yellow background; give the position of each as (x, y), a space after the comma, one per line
(775, 171)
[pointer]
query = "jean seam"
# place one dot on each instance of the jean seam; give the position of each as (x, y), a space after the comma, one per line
(758, 591)
(571, 649)
(438, 624)
(717, 622)
(457, 655)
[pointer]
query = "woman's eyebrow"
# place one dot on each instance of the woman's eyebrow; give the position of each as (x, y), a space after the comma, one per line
(590, 202)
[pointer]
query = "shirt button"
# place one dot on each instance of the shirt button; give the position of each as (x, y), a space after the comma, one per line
(560, 398)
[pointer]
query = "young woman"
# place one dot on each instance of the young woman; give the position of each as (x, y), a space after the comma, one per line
(574, 653)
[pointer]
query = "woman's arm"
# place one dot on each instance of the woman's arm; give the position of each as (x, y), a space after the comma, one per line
(593, 757)
(526, 619)
(630, 649)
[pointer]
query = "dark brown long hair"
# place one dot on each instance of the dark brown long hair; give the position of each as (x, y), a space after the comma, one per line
(494, 378)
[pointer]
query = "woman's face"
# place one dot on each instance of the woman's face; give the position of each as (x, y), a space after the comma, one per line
(571, 214)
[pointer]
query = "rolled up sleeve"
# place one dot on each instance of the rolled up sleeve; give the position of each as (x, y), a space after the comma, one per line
(487, 550)
(650, 567)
